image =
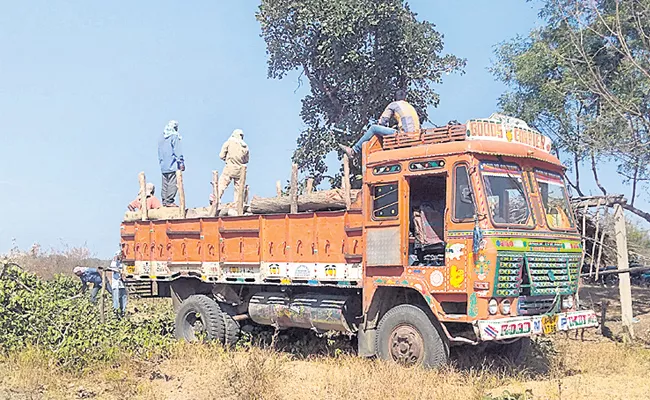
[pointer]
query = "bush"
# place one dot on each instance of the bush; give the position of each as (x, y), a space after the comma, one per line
(51, 316)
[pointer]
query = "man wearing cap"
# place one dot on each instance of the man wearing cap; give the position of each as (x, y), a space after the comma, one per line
(152, 201)
(170, 158)
(120, 297)
(90, 275)
(405, 115)
(235, 153)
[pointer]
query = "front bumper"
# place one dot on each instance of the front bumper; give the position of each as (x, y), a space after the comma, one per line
(515, 327)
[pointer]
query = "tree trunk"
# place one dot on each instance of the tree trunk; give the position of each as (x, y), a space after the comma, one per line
(323, 200)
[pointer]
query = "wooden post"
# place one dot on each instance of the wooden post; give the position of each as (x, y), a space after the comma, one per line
(294, 189)
(310, 186)
(346, 181)
(214, 210)
(181, 192)
(143, 196)
(278, 188)
(246, 192)
(240, 193)
(102, 313)
(625, 290)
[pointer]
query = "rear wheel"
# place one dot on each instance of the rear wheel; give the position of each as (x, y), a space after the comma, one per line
(406, 335)
(198, 319)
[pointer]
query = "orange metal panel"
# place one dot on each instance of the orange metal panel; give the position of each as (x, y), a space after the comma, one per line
(240, 239)
(210, 239)
(184, 240)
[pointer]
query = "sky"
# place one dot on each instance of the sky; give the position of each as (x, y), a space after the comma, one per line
(86, 89)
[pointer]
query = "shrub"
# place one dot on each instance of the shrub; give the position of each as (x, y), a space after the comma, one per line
(51, 316)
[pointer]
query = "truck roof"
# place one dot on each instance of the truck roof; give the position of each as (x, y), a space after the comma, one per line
(496, 135)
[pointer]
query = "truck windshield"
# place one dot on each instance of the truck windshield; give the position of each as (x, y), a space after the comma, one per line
(505, 194)
(554, 197)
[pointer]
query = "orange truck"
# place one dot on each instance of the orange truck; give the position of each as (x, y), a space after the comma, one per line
(460, 235)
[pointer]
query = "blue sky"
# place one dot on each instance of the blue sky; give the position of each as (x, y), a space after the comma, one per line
(87, 87)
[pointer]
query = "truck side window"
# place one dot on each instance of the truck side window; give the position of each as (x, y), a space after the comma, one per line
(463, 202)
(385, 201)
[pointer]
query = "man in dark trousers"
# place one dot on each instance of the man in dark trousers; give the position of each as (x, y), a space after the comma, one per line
(170, 157)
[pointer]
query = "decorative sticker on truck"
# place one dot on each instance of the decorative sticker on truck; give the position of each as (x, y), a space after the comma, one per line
(509, 328)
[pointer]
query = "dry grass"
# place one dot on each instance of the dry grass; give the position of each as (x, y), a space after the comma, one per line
(47, 263)
(575, 370)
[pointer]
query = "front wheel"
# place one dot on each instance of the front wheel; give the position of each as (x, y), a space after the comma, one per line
(406, 335)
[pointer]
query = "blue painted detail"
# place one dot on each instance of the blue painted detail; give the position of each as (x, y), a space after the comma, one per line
(312, 282)
(343, 283)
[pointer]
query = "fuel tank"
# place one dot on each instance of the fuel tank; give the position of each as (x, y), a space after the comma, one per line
(317, 311)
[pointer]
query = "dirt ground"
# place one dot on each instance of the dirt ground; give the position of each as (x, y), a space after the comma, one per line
(561, 367)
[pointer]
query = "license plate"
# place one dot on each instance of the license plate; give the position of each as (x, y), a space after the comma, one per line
(549, 324)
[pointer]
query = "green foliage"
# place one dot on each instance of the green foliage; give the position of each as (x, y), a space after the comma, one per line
(355, 54)
(50, 315)
(638, 243)
(506, 395)
(583, 78)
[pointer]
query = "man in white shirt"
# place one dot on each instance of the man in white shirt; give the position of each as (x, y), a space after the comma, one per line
(120, 297)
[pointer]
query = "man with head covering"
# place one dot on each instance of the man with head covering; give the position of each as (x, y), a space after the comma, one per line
(171, 160)
(120, 297)
(152, 201)
(405, 115)
(90, 275)
(235, 153)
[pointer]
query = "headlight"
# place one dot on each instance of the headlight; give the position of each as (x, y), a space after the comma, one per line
(493, 307)
(567, 302)
(505, 307)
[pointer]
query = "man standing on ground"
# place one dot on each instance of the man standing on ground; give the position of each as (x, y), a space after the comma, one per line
(235, 153)
(405, 115)
(171, 160)
(120, 297)
(90, 275)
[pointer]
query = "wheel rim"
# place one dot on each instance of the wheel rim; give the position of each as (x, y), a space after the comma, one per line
(194, 327)
(406, 345)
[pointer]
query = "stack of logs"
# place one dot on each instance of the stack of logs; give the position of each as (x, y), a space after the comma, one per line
(333, 199)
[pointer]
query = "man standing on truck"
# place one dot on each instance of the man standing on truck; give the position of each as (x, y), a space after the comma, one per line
(171, 160)
(152, 201)
(235, 153)
(405, 115)
(90, 275)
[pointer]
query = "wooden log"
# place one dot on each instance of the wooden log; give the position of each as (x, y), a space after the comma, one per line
(278, 188)
(242, 189)
(214, 208)
(143, 196)
(293, 194)
(246, 194)
(181, 193)
(625, 290)
(309, 187)
(102, 312)
(322, 200)
(346, 181)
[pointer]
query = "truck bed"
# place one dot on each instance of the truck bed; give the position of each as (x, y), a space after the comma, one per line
(317, 248)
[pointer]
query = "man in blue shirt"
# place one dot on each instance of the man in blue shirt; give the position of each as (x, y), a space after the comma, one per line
(170, 157)
(90, 275)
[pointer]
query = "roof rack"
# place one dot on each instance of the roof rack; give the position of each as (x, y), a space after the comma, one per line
(442, 134)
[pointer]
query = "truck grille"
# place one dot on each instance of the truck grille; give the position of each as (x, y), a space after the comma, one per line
(544, 274)
(552, 274)
(534, 305)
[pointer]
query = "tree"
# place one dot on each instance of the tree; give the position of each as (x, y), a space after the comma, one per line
(584, 79)
(355, 55)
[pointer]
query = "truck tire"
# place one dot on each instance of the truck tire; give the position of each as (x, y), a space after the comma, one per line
(231, 328)
(406, 335)
(199, 318)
